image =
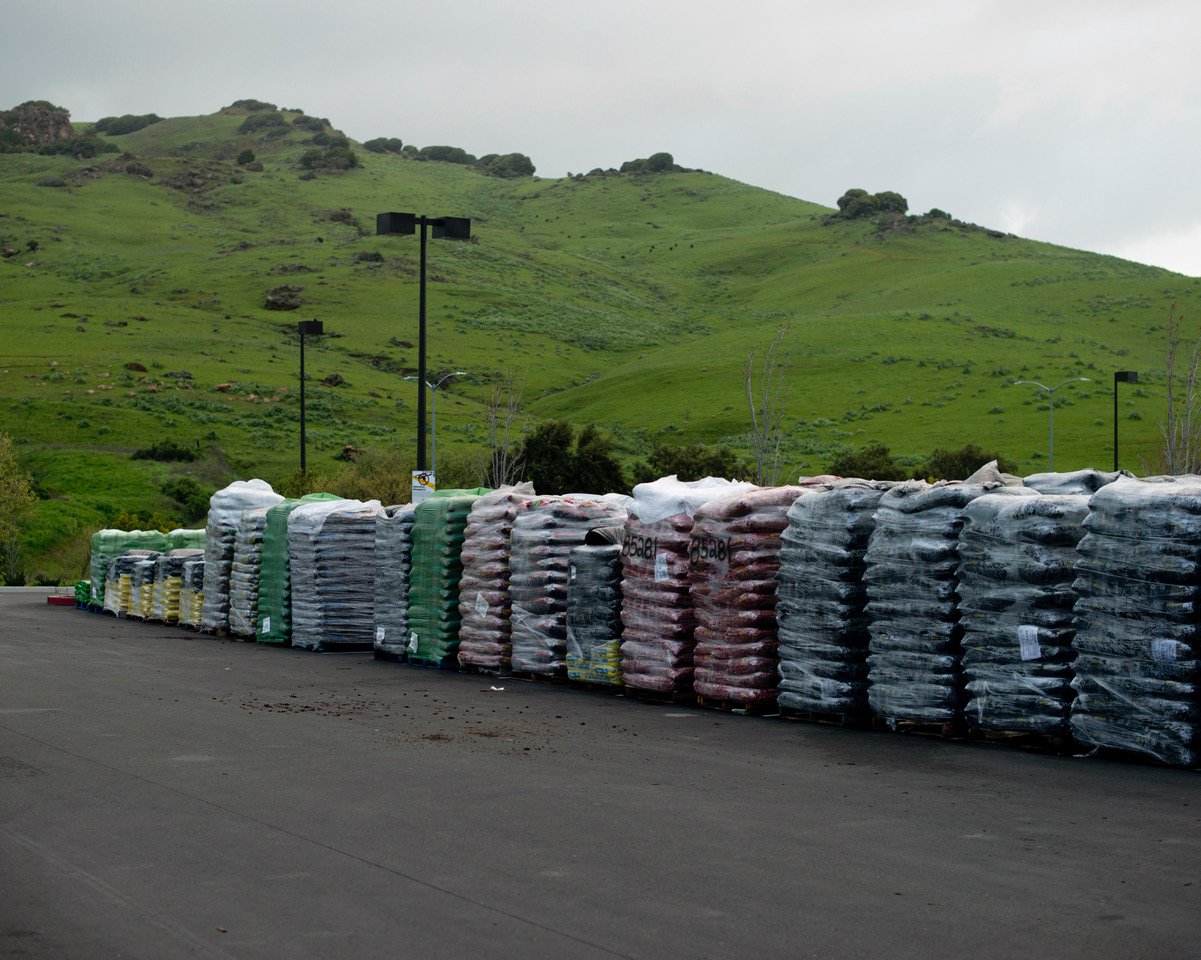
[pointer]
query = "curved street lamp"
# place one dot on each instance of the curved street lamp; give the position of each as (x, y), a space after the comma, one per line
(1051, 397)
(434, 412)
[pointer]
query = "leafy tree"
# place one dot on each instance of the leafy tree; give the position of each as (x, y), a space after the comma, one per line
(17, 502)
(595, 466)
(870, 463)
(692, 461)
(446, 154)
(507, 166)
(962, 463)
(126, 123)
(555, 461)
(660, 163)
(857, 203)
(384, 145)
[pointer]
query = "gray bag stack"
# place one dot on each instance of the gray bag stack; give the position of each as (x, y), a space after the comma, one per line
(822, 624)
(244, 572)
(331, 548)
(594, 608)
(393, 561)
(1017, 558)
(913, 606)
(226, 507)
(1138, 585)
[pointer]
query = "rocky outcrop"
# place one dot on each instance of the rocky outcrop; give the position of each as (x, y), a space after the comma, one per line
(37, 122)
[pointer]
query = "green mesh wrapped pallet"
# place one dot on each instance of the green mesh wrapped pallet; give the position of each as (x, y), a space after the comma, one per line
(275, 579)
(107, 544)
(186, 539)
(437, 568)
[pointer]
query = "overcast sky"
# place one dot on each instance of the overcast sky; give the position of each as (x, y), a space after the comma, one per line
(1078, 123)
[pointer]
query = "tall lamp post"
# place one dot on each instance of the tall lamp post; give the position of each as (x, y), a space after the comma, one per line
(1119, 376)
(1051, 397)
(434, 413)
(306, 328)
(445, 228)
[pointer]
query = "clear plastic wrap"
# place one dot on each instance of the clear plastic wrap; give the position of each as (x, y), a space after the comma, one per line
(168, 578)
(733, 561)
(191, 592)
(1138, 584)
(1017, 557)
(119, 590)
(331, 550)
(393, 562)
(657, 615)
(594, 608)
(911, 572)
(226, 507)
(141, 590)
(544, 533)
(821, 620)
(107, 544)
(275, 576)
(485, 608)
(437, 568)
(244, 573)
(1085, 482)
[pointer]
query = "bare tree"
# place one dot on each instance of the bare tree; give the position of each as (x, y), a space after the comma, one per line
(1181, 426)
(504, 465)
(763, 382)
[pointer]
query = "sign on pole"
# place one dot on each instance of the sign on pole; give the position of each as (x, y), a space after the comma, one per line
(423, 485)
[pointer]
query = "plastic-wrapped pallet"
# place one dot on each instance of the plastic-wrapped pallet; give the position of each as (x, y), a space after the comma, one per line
(275, 579)
(439, 526)
(168, 578)
(141, 589)
(1017, 557)
(119, 589)
(191, 592)
(732, 581)
(544, 534)
(244, 572)
(226, 507)
(485, 609)
(913, 608)
(1138, 591)
(185, 539)
(594, 608)
(657, 615)
(822, 624)
(107, 544)
(393, 564)
(331, 548)
(1087, 481)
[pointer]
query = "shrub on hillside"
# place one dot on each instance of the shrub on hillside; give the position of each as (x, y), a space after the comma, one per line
(245, 157)
(261, 121)
(556, 461)
(166, 451)
(857, 204)
(384, 145)
(328, 158)
(254, 106)
(871, 463)
(962, 463)
(82, 148)
(507, 165)
(314, 124)
(655, 163)
(446, 154)
(126, 123)
(692, 461)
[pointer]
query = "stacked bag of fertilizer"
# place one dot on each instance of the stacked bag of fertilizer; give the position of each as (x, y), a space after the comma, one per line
(657, 616)
(275, 575)
(1017, 558)
(1138, 589)
(244, 572)
(594, 608)
(191, 592)
(439, 528)
(226, 507)
(823, 627)
(545, 532)
(913, 606)
(168, 578)
(108, 544)
(141, 590)
(331, 549)
(1075, 481)
(732, 581)
(484, 605)
(393, 562)
(119, 586)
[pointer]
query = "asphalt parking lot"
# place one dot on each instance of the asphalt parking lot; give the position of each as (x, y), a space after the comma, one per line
(168, 794)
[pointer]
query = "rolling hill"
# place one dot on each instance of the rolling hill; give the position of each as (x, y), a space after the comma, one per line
(133, 291)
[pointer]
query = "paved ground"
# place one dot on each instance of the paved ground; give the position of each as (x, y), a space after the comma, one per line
(165, 794)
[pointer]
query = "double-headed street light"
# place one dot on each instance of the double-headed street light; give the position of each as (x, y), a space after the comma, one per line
(434, 410)
(1051, 397)
(445, 228)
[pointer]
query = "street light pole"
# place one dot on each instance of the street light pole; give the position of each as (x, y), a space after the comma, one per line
(434, 410)
(444, 228)
(1051, 398)
(312, 328)
(1119, 376)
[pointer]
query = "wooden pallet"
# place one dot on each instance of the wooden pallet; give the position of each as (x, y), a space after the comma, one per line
(758, 709)
(947, 730)
(448, 664)
(530, 677)
(660, 697)
(1057, 743)
(593, 686)
(496, 673)
(858, 721)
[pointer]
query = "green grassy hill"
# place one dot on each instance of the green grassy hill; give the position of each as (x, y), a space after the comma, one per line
(629, 301)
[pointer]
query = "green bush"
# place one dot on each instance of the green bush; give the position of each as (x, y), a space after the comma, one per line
(251, 105)
(507, 165)
(556, 461)
(245, 157)
(315, 124)
(962, 463)
(83, 147)
(126, 123)
(166, 451)
(857, 203)
(261, 121)
(871, 463)
(692, 461)
(384, 145)
(329, 158)
(446, 154)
